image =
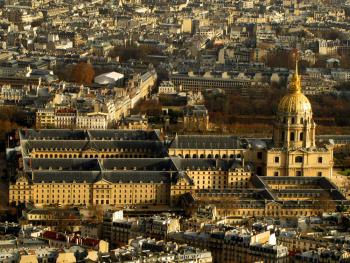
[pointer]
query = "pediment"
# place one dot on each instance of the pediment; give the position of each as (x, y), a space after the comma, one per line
(102, 182)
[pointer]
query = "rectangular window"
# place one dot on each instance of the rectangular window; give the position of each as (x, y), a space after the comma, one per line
(298, 173)
(277, 159)
(320, 160)
(275, 173)
(319, 174)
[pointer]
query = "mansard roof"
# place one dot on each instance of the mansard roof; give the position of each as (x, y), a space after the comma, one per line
(156, 147)
(146, 164)
(66, 176)
(137, 176)
(65, 164)
(123, 135)
(206, 142)
(53, 134)
(208, 164)
(66, 134)
(95, 176)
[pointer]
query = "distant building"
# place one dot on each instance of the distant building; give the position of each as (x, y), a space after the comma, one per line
(93, 120)
(135, 122)
(111, 78)
(229, 84)
(161, 251)
(196, 118)
(166, 87)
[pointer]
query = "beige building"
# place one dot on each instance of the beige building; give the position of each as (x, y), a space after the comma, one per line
(66, 257)
(187, 25)
(270, 197)
(293, 150)
(286, 176)
(45, 118)
(92, 120)
(134, 122)
(30, 258)
(196, 118)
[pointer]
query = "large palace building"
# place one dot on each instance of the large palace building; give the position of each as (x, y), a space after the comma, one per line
(286, 175)
(292, 151)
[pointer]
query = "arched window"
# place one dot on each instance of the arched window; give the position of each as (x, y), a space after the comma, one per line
(293, 120)
(299, 159)
(224, 156)
(201, 156)
(292, 136)
(210, 156)
(217, 156)
(301, 120)
(187, 156)
(301, 136)
(194, 156)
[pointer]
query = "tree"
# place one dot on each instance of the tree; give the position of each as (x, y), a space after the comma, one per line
(133, 52)
(83, 73)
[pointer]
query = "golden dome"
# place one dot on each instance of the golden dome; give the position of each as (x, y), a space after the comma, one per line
(295, 101)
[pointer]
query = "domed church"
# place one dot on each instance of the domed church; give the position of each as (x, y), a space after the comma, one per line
(294, 151)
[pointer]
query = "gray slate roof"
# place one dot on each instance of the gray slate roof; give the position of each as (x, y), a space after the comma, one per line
(66, 134)
(206, 142)
(77, 164)
(146, 164)
(95, 176)
(206, 164)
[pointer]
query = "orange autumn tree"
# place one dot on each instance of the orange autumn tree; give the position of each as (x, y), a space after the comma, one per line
(83, 73)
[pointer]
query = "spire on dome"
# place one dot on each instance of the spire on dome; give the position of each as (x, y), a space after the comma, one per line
(295, 84)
